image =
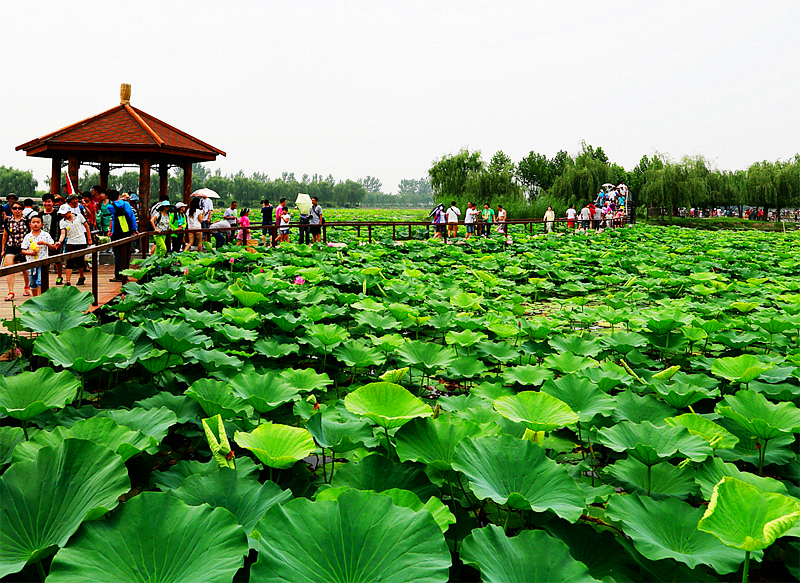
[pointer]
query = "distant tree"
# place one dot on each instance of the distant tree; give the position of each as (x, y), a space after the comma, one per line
(20, 182)
(673, 185)
(371, 184)
(450, 174)
(349, 192)
(533, 172)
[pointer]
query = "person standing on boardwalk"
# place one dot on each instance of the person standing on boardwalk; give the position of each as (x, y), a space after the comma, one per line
(502, 215)
(452, 219)
(470, 219)
(50, 224)
(571, 214)
(266, 219)
(15, 228)
(316, 220)
(36, 245)
(488, 219)
(208, 208)
(194, 220)
(75, 231)
(549, 218)
(123, 224)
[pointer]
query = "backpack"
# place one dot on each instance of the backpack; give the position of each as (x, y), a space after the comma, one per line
(122, 227)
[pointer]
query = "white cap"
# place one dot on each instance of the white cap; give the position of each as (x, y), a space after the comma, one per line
(180, 205)
(64, 209)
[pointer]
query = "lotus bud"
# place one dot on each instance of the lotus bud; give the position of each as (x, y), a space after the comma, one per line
(186, 271)
(534, 436)
(436, 410)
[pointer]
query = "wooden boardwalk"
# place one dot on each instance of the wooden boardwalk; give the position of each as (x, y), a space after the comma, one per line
(108, 290)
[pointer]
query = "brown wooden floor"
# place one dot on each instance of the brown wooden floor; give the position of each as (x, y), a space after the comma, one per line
(107, 290)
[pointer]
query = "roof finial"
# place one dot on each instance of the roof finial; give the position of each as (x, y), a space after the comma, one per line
(124, 93)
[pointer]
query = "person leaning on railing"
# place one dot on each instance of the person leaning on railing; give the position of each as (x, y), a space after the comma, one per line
(123, 224)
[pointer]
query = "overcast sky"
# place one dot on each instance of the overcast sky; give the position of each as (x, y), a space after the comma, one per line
(385, 88)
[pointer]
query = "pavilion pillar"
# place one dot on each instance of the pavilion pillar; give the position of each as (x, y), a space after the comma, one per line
(55, 177)
(163, 179)
(144, 193)
(73, 166)
(187, 182)
(104, 168)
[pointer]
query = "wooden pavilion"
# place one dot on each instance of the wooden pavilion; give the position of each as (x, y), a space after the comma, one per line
(123, 136)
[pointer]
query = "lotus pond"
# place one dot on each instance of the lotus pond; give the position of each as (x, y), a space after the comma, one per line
(618, 406)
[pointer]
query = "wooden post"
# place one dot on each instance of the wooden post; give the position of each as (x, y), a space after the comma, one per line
(394, 233)
(144, 194)
(95, 277)
(163, 179)
(409, 231)
(73, 167)
(55, 177)
(187, 182)
(369, 233)
(104, 168)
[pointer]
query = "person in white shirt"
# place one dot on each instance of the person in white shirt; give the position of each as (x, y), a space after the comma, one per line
(75, 230)
(208, 208)
(571, 214)
(231, 215)
(471, 218)
(501, 219)
(586, 216)
(37, 245)
(452, 219)
(549, 218)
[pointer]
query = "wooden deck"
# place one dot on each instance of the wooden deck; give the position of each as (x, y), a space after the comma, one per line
(108, 290)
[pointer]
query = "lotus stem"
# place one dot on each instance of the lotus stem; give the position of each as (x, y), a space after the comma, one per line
(40, 570)
(25, 430)
(762, 454)
(746, 566)
(580, 439)
(270, 472)
(333, 464)
(455, 524)
(505, 524)
(324, 469)
(388, 443)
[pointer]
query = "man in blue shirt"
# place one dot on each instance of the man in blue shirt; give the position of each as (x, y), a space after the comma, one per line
(123, 224)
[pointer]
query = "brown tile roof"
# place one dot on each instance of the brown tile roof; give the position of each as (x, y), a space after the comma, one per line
(123, 125)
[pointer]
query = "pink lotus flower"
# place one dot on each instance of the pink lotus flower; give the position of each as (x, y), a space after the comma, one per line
(231, 260)
(262, 270)
(186, 271)
(299, 280)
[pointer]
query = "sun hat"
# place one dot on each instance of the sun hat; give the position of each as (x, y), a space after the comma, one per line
(180, 205)
(164, 204)
(64, 209)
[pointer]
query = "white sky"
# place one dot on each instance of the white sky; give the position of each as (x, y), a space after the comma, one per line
(386, 87)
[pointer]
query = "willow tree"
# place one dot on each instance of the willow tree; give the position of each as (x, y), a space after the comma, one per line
(450, 174)
(672, 185)
(581, 180)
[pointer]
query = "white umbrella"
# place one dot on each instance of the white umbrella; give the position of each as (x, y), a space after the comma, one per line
(205, 192)
(607, 184)
(303, 203)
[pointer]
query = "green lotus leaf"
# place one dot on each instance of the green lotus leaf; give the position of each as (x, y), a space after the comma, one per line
(155, 537)
(245, 498)
(651, 444)
(667, 320)
(623, 342)
(338, 436)
(681, 395)
(394, 376)
(744, 517)
(57, 299)
(99, 430)
(83, 349)
(214, 360)
(750, 449)
(531, 556)
(366, 538)
(739, 369)
(636, 409)
(466, 367)
(273, 349)
(200, 320)
(216, 398)
(536, 410)
(581, 395)
(518, 472)
(667, 529)
(497, 351)
(466, 302)
(155, 361)
(568, 363)
(425, 355)
(356, 354)
(185, 409)
(386, 404)
(527, 375)
(369, 305)
(45, 500)
(378, 473)
(306, 379)
(175, 336)
(377, 321)
(10, 437)
(717, 436)
(277, 446)
(433, 441)
(28, 394)
(246, 318)
(234, 333)
(465, 338)
(666, 480)
(407, 499)
(489, 391)
(576, 344)
(264, 392)
(152, 422)
(755, 413)
(176, 475)
(606, 376)
(248, 298)
(325, 337)
(55, 321)
(713, 470)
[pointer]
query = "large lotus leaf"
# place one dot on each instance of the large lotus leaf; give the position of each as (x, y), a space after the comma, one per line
(325, 337)
(378, 473)
(747, 449)
(631, 407)
(153, 360)
(580, 395)
(83, 349)
(425, 355)
(246, 318)
(536, 410)
(45, 500)
(377, 321)
(271, 348)
(651, 444)
(713, 470)
(359, 538)
(739, 369)
(532, 556)
(176, 336)
(405, 498)
(306, 379)
(755, 413)
(465, 338)
(216, 398)
(717, 436)
(214, 360)
(518, 472)
(623, 342)
(28, 394)
(466, 367)
(667, 481)
(246, 498)
(568, 363)
(359, 355)
(606, 376)
(200, 320)
(386, 404)
(176, 475)
(185, 409)
(264, 392)
(277, 446)
(155, 537)
(576, 344)
(10, 437)
(667, 529)
(744, 517)
(55, 321)
(100, 430)
(59, 299)
(338, 436)
(497, 351)
(527, 375)
(152, 422)
(666, 320)
(433, 441)
(682, 395)
(248, 298)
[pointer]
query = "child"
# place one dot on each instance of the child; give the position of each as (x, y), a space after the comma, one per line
(37, 245)
(243, 235)
(160, 224)
(284, 236)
